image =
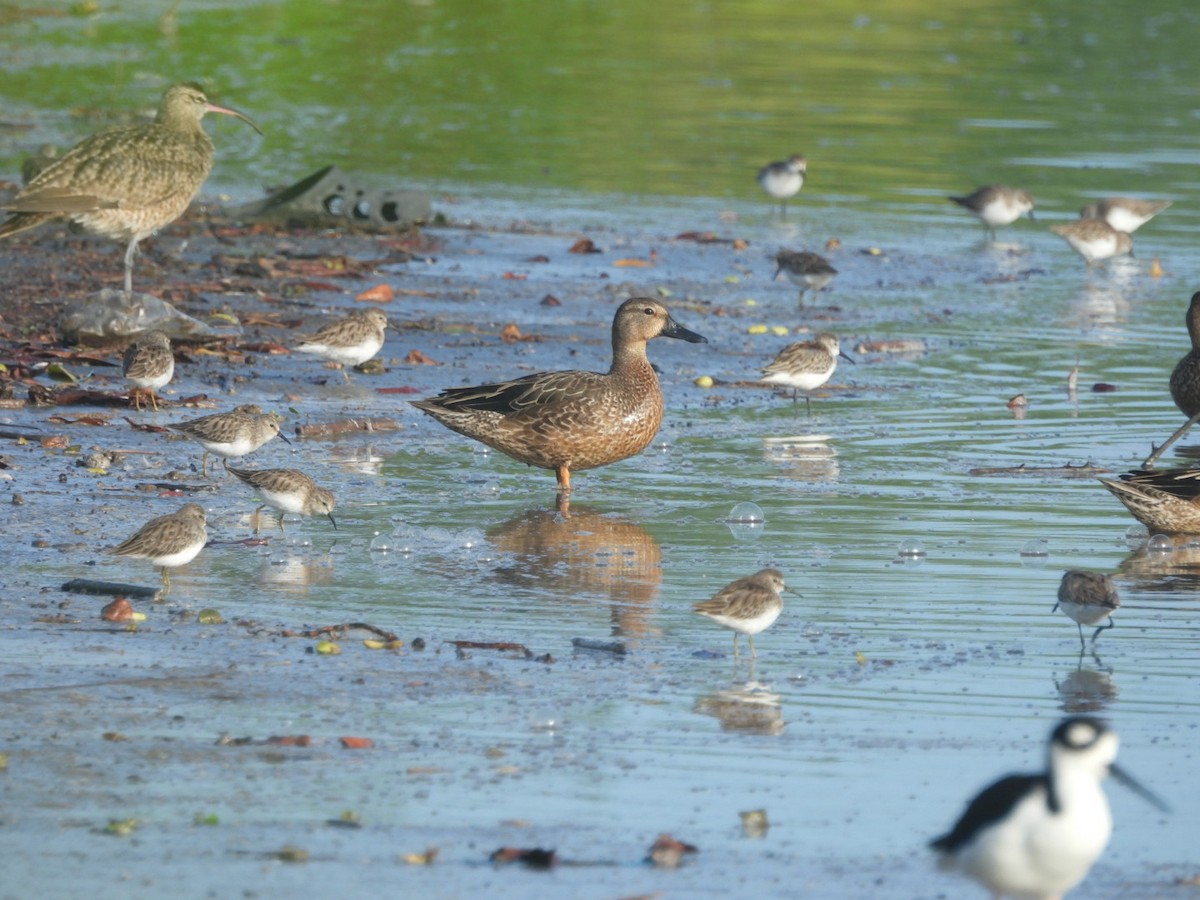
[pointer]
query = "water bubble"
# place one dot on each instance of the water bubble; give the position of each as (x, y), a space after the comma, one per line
(1160, 543)
(381, 543)
(300, 542)
(747, 513)
(1036, 547)
(1136, 535)
(911, 548)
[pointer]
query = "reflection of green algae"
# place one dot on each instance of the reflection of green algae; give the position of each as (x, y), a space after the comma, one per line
(915, 97)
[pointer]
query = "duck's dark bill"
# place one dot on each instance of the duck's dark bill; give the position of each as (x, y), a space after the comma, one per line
(675, 330)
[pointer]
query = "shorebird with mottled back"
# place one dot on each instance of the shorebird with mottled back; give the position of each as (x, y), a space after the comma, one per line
(748, 606)
(231, 434)
(804, 269)
(350, 341)
(996, 205)
(1087, 598)
(288, 491)
(572, 420)
(1126, 214)
(1167, 501)
(1094, 239)
(126, 183)
(168, 541)
(148, 364)
(1035, 836)
(805, 365)
(783, 179)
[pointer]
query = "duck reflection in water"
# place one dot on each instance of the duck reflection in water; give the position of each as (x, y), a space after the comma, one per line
(588, 554)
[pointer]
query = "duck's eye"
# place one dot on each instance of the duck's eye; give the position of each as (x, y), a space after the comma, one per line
(649, 310)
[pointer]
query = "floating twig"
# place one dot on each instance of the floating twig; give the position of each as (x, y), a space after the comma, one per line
(335, 630)
(1085, 469)
(617, 647)
(108, 588)
(347, 426)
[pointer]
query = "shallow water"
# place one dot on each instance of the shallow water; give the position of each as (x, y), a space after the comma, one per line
(885, 695)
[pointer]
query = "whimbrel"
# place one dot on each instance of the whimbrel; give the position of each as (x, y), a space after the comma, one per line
(126, 183)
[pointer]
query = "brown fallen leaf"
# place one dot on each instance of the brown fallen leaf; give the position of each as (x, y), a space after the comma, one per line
(290, 740)
(584, 245)
(356, 743)
(629, 263)
(145, 426)
(78, 420)
(668, 853)
(550, 300)
(1101, 387)
(513, 276)
(540, 258)
(417, 358)
(510, 333)
(54, 442)
(1017, 402)
(420, 859)
(117, 611)
(380, 293)
(1156, 269)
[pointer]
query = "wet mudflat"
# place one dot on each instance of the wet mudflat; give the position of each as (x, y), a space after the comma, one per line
(882, 698)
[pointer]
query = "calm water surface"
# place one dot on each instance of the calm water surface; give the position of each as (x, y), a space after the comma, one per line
(892, 688)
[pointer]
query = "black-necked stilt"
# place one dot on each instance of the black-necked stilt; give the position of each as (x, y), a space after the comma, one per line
(1087, 598)
(1036, 836)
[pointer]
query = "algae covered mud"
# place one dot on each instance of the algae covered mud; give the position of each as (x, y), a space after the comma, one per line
(204, 755)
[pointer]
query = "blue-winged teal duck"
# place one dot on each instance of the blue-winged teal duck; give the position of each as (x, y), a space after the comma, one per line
(571, 420)
(1167, 501)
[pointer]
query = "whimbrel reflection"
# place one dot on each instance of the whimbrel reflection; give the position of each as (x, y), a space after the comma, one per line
(588, 553)
(749, 707)
(804, 458)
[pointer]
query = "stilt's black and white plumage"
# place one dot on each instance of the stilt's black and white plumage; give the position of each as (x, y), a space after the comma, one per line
(1034, 837)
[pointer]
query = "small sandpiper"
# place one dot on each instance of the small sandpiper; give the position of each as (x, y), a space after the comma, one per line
(804, 269)
(168, 541)
(1036, 836)
(349, 341)
(1087, 598)
(996, 205)
(231, 434)
(783, 179)
(1126, 214)
(805, 365)
(748, 605)
(1094, 239)
(148, 364)
(287, 491)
